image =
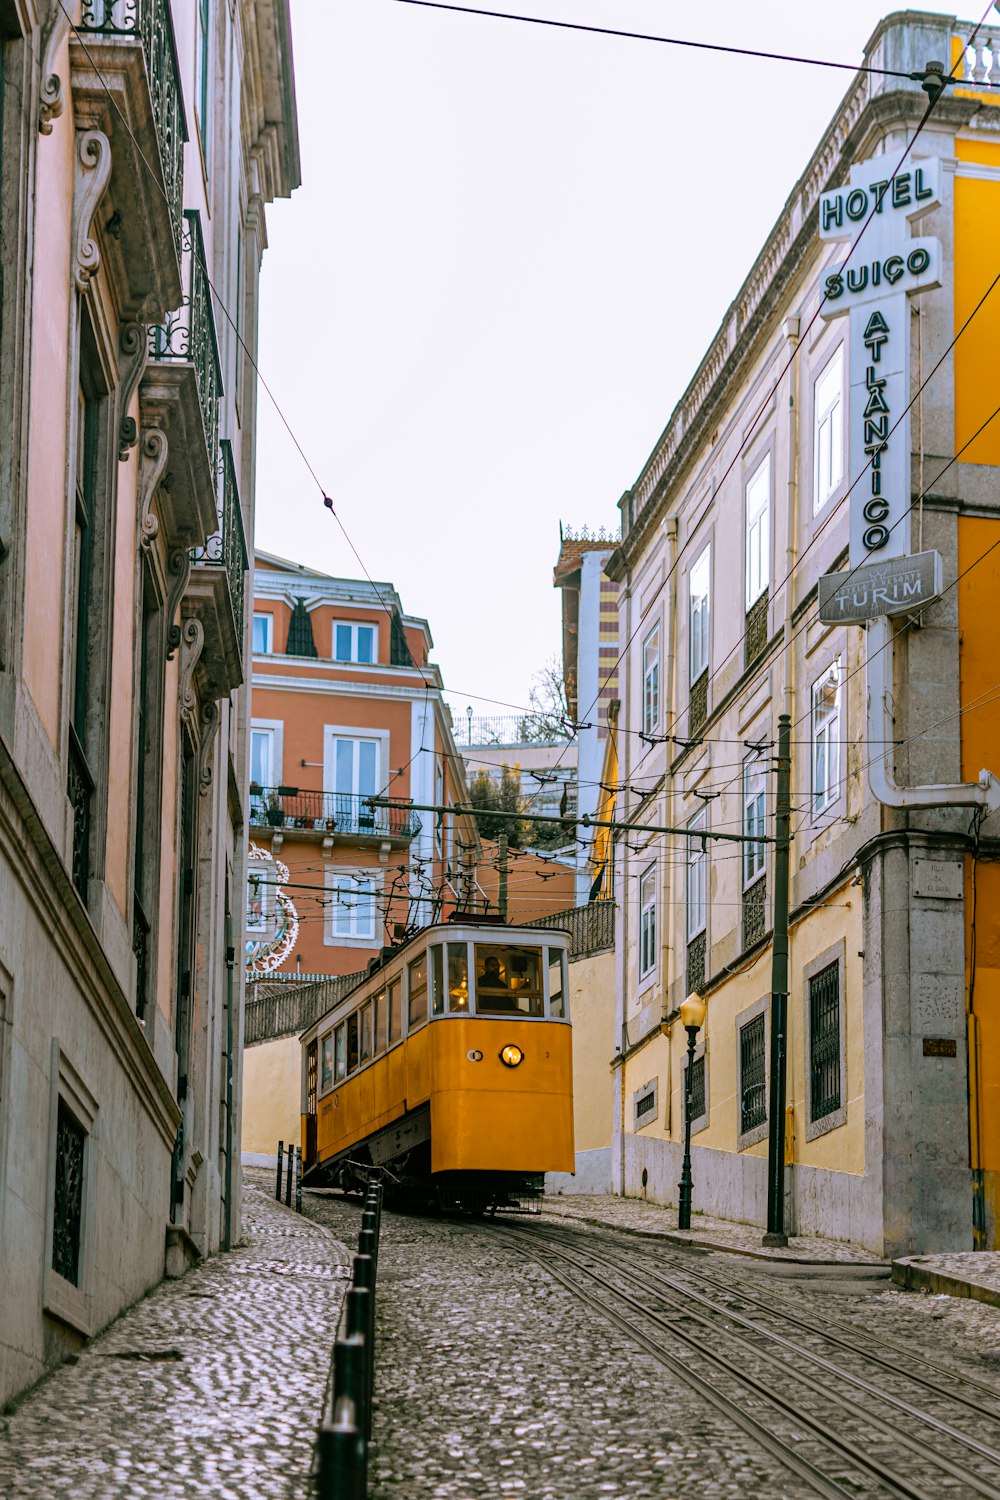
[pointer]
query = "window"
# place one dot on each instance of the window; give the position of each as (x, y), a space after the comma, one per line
(754, 800)
(508, 980)
(354, 642)
(148, 796)
(758, 532)
(458, 979)
(753, 1076)
(826, 737)
(647, 922)
(381, 1018)
(824, 1042)
(557, 984)
(73, 1157)
(366, 1033)
(67, 1219)
(262, 757)
(699, 585)
(417, 991)
(88, 520)
(263, 635)
(326, 1063)
(352, 907)
(202, 82)
(651, 682)
(699, 1101)
(340, 1052)
(697, 876)
(355, 774)
(645, 1104)
(395, 1011)
(828, 431)
(437, 975)
(352, 1043)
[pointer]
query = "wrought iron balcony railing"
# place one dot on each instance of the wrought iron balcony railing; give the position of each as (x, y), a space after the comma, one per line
(149, 22)
(189, 335)
(227, 548)
(329, 812)
(80, 789)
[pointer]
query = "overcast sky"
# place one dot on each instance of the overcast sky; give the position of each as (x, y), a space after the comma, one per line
(511, 248)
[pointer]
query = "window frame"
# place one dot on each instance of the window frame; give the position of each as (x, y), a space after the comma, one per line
(698, 825)
(698, 604)
(648, 909)
(335, 876)
(354, 626)
(837, 954)
(832, 412)
(651, 675)
(71, 1302)
(754, 861)
(756, 1133)
(203, 78)
(265, 618)
(757, 519)
(834, 782)
(698, 1122)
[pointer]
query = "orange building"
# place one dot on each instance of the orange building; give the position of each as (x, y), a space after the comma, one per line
(347, 707)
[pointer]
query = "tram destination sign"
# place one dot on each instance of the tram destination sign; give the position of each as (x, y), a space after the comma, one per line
(886, 586)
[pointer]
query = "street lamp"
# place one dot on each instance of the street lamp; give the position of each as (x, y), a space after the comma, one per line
(693, 1012)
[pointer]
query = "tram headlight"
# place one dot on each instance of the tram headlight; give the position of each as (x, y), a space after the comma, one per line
(511, 1056)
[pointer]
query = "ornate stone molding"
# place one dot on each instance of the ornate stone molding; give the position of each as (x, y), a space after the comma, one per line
(135, 347)
(152, 462)
(209, 724)
(93, 171)
(179, 567)
(50, 101)
(192, 644)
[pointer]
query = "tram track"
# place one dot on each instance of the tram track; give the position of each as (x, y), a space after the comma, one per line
(718, 1351)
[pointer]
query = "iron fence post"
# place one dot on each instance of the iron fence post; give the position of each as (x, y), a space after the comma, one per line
(281, 1157)
(298, 1179)
(289, 1175)
(341, 1469)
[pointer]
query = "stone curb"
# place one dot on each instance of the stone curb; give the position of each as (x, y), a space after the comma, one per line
(914, 1277)
(675, 1237)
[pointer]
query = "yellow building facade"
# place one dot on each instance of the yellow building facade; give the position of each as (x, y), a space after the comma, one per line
(892, 1126)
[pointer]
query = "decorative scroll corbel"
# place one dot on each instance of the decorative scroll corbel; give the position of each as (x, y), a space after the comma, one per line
(209, 726)
(179, 567)
(192, 644)
(93, 171)
(50, 99)
(152, 462)
(135, 347)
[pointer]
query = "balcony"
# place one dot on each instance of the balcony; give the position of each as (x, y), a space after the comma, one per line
(217, 586)
(180, 394)
(331, 815)
(126, 82)
(755, 630)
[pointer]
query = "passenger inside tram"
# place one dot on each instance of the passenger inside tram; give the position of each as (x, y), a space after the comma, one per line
(509, 981)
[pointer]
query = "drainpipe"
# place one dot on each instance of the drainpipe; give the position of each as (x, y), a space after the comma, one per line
(230, 982)
(983, 793)
(669, 528)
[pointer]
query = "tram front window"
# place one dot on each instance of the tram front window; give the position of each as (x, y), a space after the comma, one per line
(508, 981)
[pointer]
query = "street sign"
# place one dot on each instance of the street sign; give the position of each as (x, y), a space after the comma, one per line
(888, 586)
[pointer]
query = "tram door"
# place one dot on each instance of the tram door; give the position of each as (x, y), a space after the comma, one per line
(311, 1078)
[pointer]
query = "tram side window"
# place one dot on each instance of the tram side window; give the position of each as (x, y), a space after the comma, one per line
(326, 1063)
(395, 1011)
(557, 984)
(380, 1026)
(437, 978)
(340, 1052)
(508, 981)
(352, 1042)
(458, 978)
(366, 1033)
(417, 972)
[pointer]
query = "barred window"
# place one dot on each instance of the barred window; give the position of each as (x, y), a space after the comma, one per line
(698, 1102)
(753, 1081)
(824, 1041)
(67, 1210)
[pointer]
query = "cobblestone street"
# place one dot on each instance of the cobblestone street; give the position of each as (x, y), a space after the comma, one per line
(493, 1379)
(211, 1386)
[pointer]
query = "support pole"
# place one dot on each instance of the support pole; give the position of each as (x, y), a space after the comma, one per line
(281, 1161)
(779, 995)
(502, 876)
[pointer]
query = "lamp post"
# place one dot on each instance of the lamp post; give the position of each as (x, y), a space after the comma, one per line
(693, 1012)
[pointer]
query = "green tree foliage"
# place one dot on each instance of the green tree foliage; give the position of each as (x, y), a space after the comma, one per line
(497, 805)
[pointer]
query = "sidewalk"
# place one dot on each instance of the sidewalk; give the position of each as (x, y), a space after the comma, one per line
(654, 1221)
(967, 1273)
(211, 1386)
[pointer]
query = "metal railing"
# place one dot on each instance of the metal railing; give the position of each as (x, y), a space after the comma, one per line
(591, 928)
(189, 333)
(755, 633)
(345, 1432)
(329, 812)
(227, 547)
(285, 1010)
(149, 21)
(80, 789)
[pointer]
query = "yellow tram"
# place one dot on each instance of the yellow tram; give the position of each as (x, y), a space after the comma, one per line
(447, 1070)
